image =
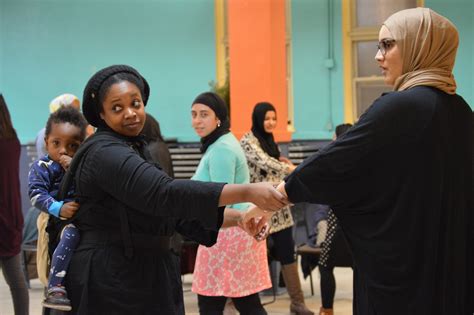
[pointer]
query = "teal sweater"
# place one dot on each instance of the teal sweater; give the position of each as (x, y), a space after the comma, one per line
(225, 162)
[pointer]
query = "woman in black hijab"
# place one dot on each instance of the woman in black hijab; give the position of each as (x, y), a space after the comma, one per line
(265, 138)
(267, 165)
(130, 208)
(236, 266)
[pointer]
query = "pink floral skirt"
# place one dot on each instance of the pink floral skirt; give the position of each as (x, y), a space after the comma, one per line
(235, 266)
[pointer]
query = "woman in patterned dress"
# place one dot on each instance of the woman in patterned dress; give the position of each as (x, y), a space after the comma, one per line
(267, 165)
(236, 266)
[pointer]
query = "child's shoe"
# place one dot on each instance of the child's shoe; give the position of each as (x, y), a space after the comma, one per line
(56, 298)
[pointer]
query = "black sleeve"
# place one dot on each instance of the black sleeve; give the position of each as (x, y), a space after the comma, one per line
(197, 232)
(348, 169)
(124, 175)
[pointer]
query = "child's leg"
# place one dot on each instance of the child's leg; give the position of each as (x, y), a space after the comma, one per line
(62, 255)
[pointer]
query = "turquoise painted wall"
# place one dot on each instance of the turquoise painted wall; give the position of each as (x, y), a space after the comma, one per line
(317, 89)
(461, 13)
(50, 47)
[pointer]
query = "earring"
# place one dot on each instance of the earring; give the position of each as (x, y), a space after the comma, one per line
(218, 124)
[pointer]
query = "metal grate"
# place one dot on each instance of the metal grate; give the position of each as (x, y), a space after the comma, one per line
(185, 159)
(297, 152)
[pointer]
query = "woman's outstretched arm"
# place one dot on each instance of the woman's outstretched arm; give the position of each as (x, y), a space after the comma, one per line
(263, 195)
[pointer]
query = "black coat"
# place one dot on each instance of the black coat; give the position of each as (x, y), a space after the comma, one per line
(114, 178)
(400, 183)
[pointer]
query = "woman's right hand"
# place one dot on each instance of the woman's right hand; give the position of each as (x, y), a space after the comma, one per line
(291, 166)
(266, 197)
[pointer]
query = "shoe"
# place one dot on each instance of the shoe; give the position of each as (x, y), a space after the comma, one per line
(56, 298)
(326, 311)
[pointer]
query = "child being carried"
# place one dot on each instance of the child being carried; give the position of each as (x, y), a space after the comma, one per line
(65, 131)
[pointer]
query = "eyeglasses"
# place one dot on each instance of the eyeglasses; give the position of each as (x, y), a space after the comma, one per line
(385, 45)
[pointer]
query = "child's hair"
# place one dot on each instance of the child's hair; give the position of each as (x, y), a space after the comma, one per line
(67, 114)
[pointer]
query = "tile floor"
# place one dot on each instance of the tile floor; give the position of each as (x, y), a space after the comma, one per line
(343, 300)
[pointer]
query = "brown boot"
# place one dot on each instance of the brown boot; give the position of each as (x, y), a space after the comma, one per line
(326, 311)
(293, 285)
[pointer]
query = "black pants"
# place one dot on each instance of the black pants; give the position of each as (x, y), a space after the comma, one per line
(328, 285)
(11, 268)
(214, 305)
(283, 246)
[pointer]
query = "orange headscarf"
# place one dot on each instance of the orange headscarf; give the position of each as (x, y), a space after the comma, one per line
(428, 43)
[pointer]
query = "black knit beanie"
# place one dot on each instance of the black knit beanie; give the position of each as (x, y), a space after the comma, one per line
(90, 101)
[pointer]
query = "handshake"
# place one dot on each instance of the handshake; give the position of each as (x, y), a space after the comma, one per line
(267, 199)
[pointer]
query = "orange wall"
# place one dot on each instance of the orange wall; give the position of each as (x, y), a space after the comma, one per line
(257, 62)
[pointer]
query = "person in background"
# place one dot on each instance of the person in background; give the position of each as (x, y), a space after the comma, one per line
(130, 208)
(64, 133)
(236, 266)
(160, 154)
(400, 180)
(157, 146)
(267, 165)
(11, 218)
(335, 252)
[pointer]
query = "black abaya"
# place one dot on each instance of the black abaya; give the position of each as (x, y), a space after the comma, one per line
(400, 183)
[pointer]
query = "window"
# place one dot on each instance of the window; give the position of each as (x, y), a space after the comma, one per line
(363, 82)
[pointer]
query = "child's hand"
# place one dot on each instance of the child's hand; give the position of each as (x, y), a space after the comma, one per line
(68, 209)
(65, 160)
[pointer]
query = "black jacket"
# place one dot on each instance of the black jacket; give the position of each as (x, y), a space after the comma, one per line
(114, 178)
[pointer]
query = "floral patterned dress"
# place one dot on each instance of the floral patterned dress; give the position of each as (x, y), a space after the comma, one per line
(236, 265)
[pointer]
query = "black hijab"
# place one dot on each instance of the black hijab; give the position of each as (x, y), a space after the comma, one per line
(267, 142)
(217, 104)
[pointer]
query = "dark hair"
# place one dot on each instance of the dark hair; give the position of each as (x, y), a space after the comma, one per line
(117, 78)
(67, 114)
(266, 140)
(6, 127)
(151, 130)
(342, 128)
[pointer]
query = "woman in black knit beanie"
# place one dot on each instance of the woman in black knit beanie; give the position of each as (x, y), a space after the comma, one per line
(130, 208)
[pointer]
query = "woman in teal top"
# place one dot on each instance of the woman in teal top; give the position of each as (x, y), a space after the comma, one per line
(236, 266)
(224, 161)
